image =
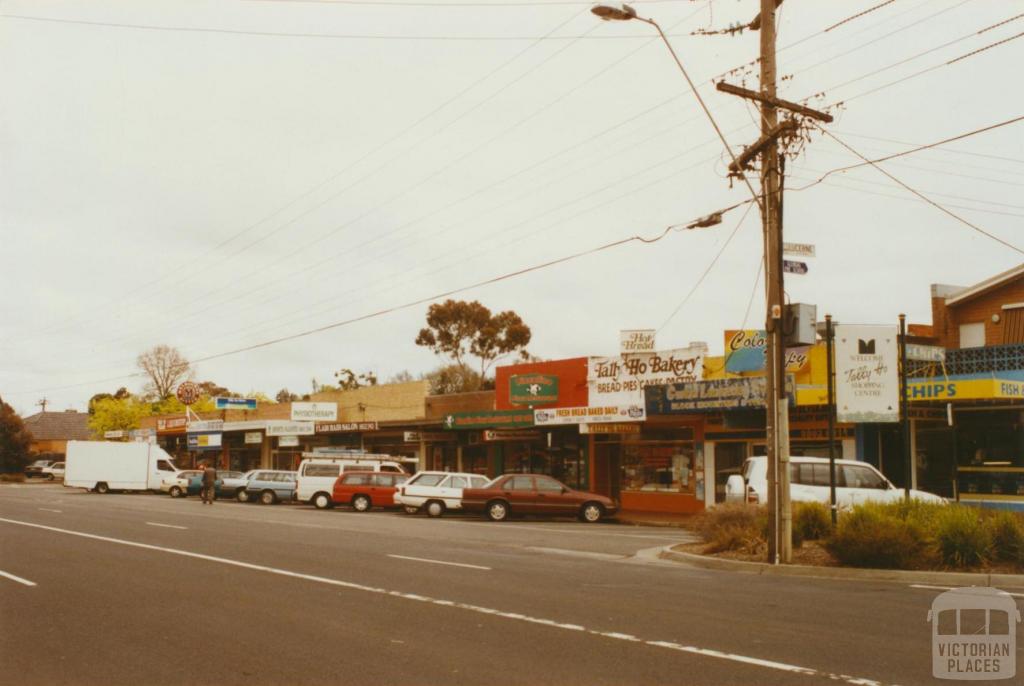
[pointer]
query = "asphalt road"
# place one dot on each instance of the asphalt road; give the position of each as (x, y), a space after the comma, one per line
(145, 589)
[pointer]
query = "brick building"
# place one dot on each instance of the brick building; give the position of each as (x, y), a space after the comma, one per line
(51, 431)
(985, 314)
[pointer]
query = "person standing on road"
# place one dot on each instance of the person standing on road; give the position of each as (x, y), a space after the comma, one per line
(209, 483)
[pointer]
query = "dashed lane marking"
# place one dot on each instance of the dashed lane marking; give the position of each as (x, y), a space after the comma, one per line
(26, 582)
(167, 526)
(694, 650)
(50, 509)
(439, 562)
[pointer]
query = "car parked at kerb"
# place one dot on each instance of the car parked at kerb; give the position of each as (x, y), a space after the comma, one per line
(535, 494)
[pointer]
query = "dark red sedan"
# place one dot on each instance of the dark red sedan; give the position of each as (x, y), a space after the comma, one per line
(535, 494)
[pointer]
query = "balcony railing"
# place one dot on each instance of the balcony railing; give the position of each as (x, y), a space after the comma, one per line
(993, 358)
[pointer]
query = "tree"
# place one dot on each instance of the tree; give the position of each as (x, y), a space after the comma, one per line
(285, 396)
(404, 376)
(111, 414)
(165, 367)
(461, 329)
(119, 394)
(15, 440)
(454, 378)
(348, 380)
(215, 390)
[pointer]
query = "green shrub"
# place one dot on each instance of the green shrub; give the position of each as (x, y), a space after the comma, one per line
(961, 537)
(873, 535)
(1006, 531)
(15, 477)
(811, 521)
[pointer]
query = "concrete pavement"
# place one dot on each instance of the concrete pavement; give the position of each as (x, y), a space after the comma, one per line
(148, 589)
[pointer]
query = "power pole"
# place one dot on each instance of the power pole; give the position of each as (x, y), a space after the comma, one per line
(43, 403)
(780, 536)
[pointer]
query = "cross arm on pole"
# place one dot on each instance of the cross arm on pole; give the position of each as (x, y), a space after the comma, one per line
(773, 101)
(757, 147)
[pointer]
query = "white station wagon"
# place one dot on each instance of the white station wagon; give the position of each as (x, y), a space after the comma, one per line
(856, 482)
(435, 492)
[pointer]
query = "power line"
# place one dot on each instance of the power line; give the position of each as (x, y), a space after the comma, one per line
(920, 195)
(858, 15)
(919, 148)
(956, 152)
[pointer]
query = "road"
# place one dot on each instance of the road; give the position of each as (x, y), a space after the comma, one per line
(145, 589)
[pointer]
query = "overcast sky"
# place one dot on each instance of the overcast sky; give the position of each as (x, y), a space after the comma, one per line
(192, 177)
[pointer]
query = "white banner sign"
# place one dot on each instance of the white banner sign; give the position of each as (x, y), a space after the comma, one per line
(253, 437)
(208, 425)
(315, 412)
(288, 442)
(286, 428)
(867, 376)
(621, 380)
(633, 341)
(925, 353)
(590, 415)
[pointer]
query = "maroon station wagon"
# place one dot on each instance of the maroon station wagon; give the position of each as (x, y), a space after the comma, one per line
(535, 494)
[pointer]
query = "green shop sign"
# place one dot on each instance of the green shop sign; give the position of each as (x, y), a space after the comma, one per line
(493, 419)
(533, 389)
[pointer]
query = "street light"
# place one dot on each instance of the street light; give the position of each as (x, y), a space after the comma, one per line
(621, 12)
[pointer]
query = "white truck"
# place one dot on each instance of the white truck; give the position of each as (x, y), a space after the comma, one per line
(104, 466)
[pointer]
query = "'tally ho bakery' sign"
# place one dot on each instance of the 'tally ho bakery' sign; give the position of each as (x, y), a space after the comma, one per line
(621, 380)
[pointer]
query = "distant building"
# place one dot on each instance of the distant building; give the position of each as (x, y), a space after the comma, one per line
(985, 314)
(51, 431)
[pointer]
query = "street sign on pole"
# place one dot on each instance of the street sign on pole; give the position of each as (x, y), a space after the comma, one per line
(798, 249)
(794, 267)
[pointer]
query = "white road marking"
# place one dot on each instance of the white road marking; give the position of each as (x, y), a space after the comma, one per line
(18, 579)
(167, 526)
(439, 562)
(953, 588)
(576, 553)
(705, 652)
(48, 509)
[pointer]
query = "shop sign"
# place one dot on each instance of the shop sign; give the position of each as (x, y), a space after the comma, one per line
(176, 424)
(188, 393)
(927, 414)
(621, 380)
(491, 435)
(925, 353)
(633, 341)
(288, 441)
(714, 394)
(612, 428)
(490, 419)
(204, 441)
(346, 427)
(207, 425)
(604, 414)
(324, 412)
(411, 436)
(964, 389)
(745, 352)
(143, 435)
(222, 403)
(117, 433)
(253, 437)
(533, 389)
(286, 428)
(867, 380)
(245, 425)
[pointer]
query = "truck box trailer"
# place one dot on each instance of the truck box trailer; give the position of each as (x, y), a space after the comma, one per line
(104, 466)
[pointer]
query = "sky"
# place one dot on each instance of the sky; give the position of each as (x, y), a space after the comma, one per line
(218, 175)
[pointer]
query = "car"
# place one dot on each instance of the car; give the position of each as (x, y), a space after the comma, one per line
(317, 475)
(37, 467)
(436, 492)
(856, 482)
(535, 494)
(175, 484)
(195, 484)
(231, 485)
(366, 490)
(54, 471)
(269, 486)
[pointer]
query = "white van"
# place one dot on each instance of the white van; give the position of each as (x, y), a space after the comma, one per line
(856, 482)
(317, 474)
(105, 466)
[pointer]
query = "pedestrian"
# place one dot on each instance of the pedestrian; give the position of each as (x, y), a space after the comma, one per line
(209, 483)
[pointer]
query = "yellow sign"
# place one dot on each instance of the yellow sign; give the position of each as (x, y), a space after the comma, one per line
(935, 390)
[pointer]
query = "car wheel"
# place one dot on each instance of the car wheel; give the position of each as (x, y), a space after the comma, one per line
(322, 501)
(435, 508)
(411, 509)
(102, 487)
(268, 498)
(242, 496)
(49, 477)
(361, 503)
(591, 512)
(175, 492)
(497, 510)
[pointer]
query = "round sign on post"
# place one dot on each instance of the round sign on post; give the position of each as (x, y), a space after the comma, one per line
(187, 392)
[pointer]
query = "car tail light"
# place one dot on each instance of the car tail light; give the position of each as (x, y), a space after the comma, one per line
(751, 495)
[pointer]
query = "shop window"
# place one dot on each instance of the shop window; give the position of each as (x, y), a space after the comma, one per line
(663, 468)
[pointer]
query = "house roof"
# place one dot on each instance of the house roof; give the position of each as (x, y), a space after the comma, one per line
(986, 285)
(59, 426)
